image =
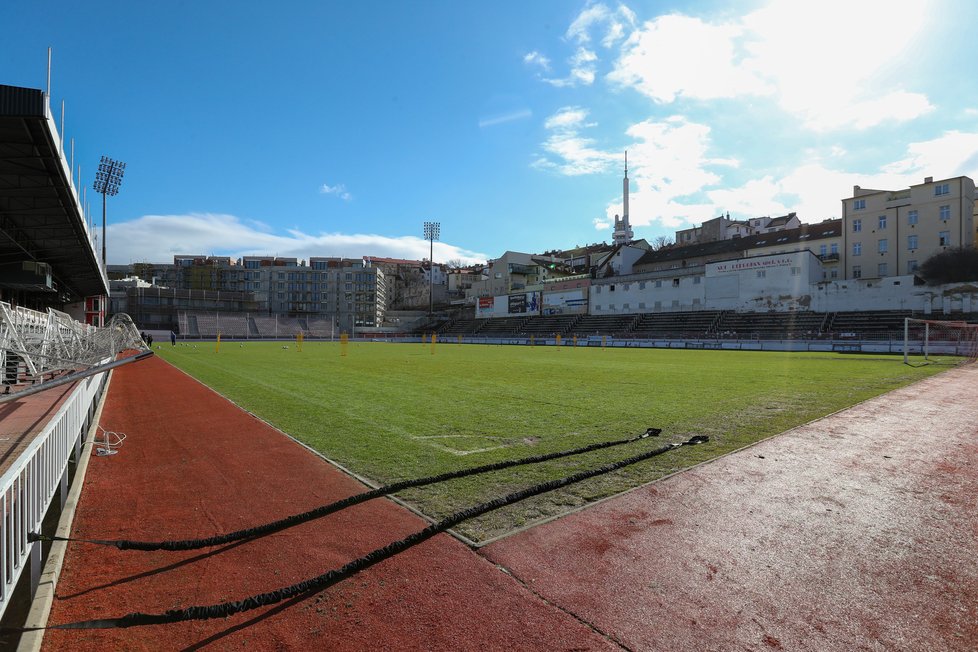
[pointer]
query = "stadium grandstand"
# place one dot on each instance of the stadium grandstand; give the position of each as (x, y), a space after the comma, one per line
(56, 347)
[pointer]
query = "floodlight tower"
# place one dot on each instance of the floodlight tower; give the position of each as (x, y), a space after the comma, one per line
(107, 181)
(432, 231)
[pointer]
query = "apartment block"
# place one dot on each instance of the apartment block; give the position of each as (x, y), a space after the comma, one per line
(892, 232)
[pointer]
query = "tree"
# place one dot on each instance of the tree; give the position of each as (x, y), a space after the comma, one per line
(951, 266)
(660, 242)
(454, 263)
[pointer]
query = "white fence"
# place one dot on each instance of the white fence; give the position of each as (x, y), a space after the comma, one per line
(28, 487)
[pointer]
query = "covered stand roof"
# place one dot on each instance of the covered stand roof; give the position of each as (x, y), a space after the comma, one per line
(41, 218)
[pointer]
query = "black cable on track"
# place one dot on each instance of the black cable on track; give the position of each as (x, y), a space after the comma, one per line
(331, 508)
(334, 576)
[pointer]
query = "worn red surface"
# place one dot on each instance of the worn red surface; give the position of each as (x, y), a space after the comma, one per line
(194, 465)
(856, 532)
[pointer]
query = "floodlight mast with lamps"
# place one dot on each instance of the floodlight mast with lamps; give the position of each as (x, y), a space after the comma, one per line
(107, 182)
(432, 231)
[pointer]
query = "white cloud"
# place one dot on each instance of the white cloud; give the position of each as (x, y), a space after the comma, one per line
(567, 117)
(830, 73)
(677, 55)
(596, 16)
(611, 26)
(754, 198)
(951, 154)
(339, 190)
(536, 59)
(815, 191)
(512, 116)
(583, 64)
(156, 238)
(574, 152)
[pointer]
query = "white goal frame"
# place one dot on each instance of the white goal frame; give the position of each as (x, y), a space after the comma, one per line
(964, 343)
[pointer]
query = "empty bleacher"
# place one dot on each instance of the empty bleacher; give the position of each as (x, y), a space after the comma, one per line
(603, 324)
(875, 324)
(549, 325)
(502, 327)
(463, 327)
(772, 325)
(206, 324)
(675, 324)
(317, 327)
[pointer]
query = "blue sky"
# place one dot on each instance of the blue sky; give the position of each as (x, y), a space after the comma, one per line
(338, 128)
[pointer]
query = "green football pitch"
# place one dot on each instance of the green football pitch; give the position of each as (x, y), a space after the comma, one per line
(397, 411)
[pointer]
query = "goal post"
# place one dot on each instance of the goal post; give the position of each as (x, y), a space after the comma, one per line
(927, 337)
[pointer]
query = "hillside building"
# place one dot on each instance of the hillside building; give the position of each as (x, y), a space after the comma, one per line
(891, 232)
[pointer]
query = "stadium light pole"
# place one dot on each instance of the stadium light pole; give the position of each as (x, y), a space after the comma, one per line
(107, 182)
(432, 231)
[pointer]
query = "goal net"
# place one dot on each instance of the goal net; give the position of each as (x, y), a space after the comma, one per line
(924, 339)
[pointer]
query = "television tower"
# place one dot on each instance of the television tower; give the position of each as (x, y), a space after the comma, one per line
(623, 231)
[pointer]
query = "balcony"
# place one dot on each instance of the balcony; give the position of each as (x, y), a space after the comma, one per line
(826, 258)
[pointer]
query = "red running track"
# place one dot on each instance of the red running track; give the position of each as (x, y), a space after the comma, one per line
(855, 532)
(193, 465)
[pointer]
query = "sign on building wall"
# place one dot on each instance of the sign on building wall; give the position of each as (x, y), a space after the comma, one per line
(524, 303)
(752, 263)
(517, 303)
(568, 302)
(485, 307)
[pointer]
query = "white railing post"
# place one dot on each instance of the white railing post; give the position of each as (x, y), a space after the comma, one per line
(29, 485)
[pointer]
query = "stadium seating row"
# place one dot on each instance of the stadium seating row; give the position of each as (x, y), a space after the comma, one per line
(670, 325)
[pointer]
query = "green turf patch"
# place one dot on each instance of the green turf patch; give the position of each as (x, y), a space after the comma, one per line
(397, 411)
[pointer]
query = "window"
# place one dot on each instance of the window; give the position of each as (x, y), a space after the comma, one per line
(675, 282)
(625, 287)
(882, 248)
(835, 273)
(942, 189)
(857, 271)
(641, 306)
(857, 226)
(835, 248)
(946, 212)
(597, 290)
(823, 250)
(761, 273)
(859, 205)
(625, 306)
(881, 268)
(597, 307)
(697, 280)
(882, 221)
(945, 238)
(911, 242)
(912, 218)
(857, 248)
(641, 286)
(675, 303)
(658, 284)
(911, 266)
(796, 271)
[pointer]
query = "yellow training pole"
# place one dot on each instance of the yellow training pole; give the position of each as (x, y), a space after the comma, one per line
(344, 340)
(434, 338)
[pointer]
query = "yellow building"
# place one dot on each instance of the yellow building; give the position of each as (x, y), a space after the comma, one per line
(892, 232)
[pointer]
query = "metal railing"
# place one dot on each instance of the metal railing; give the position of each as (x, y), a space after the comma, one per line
(28, 487)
